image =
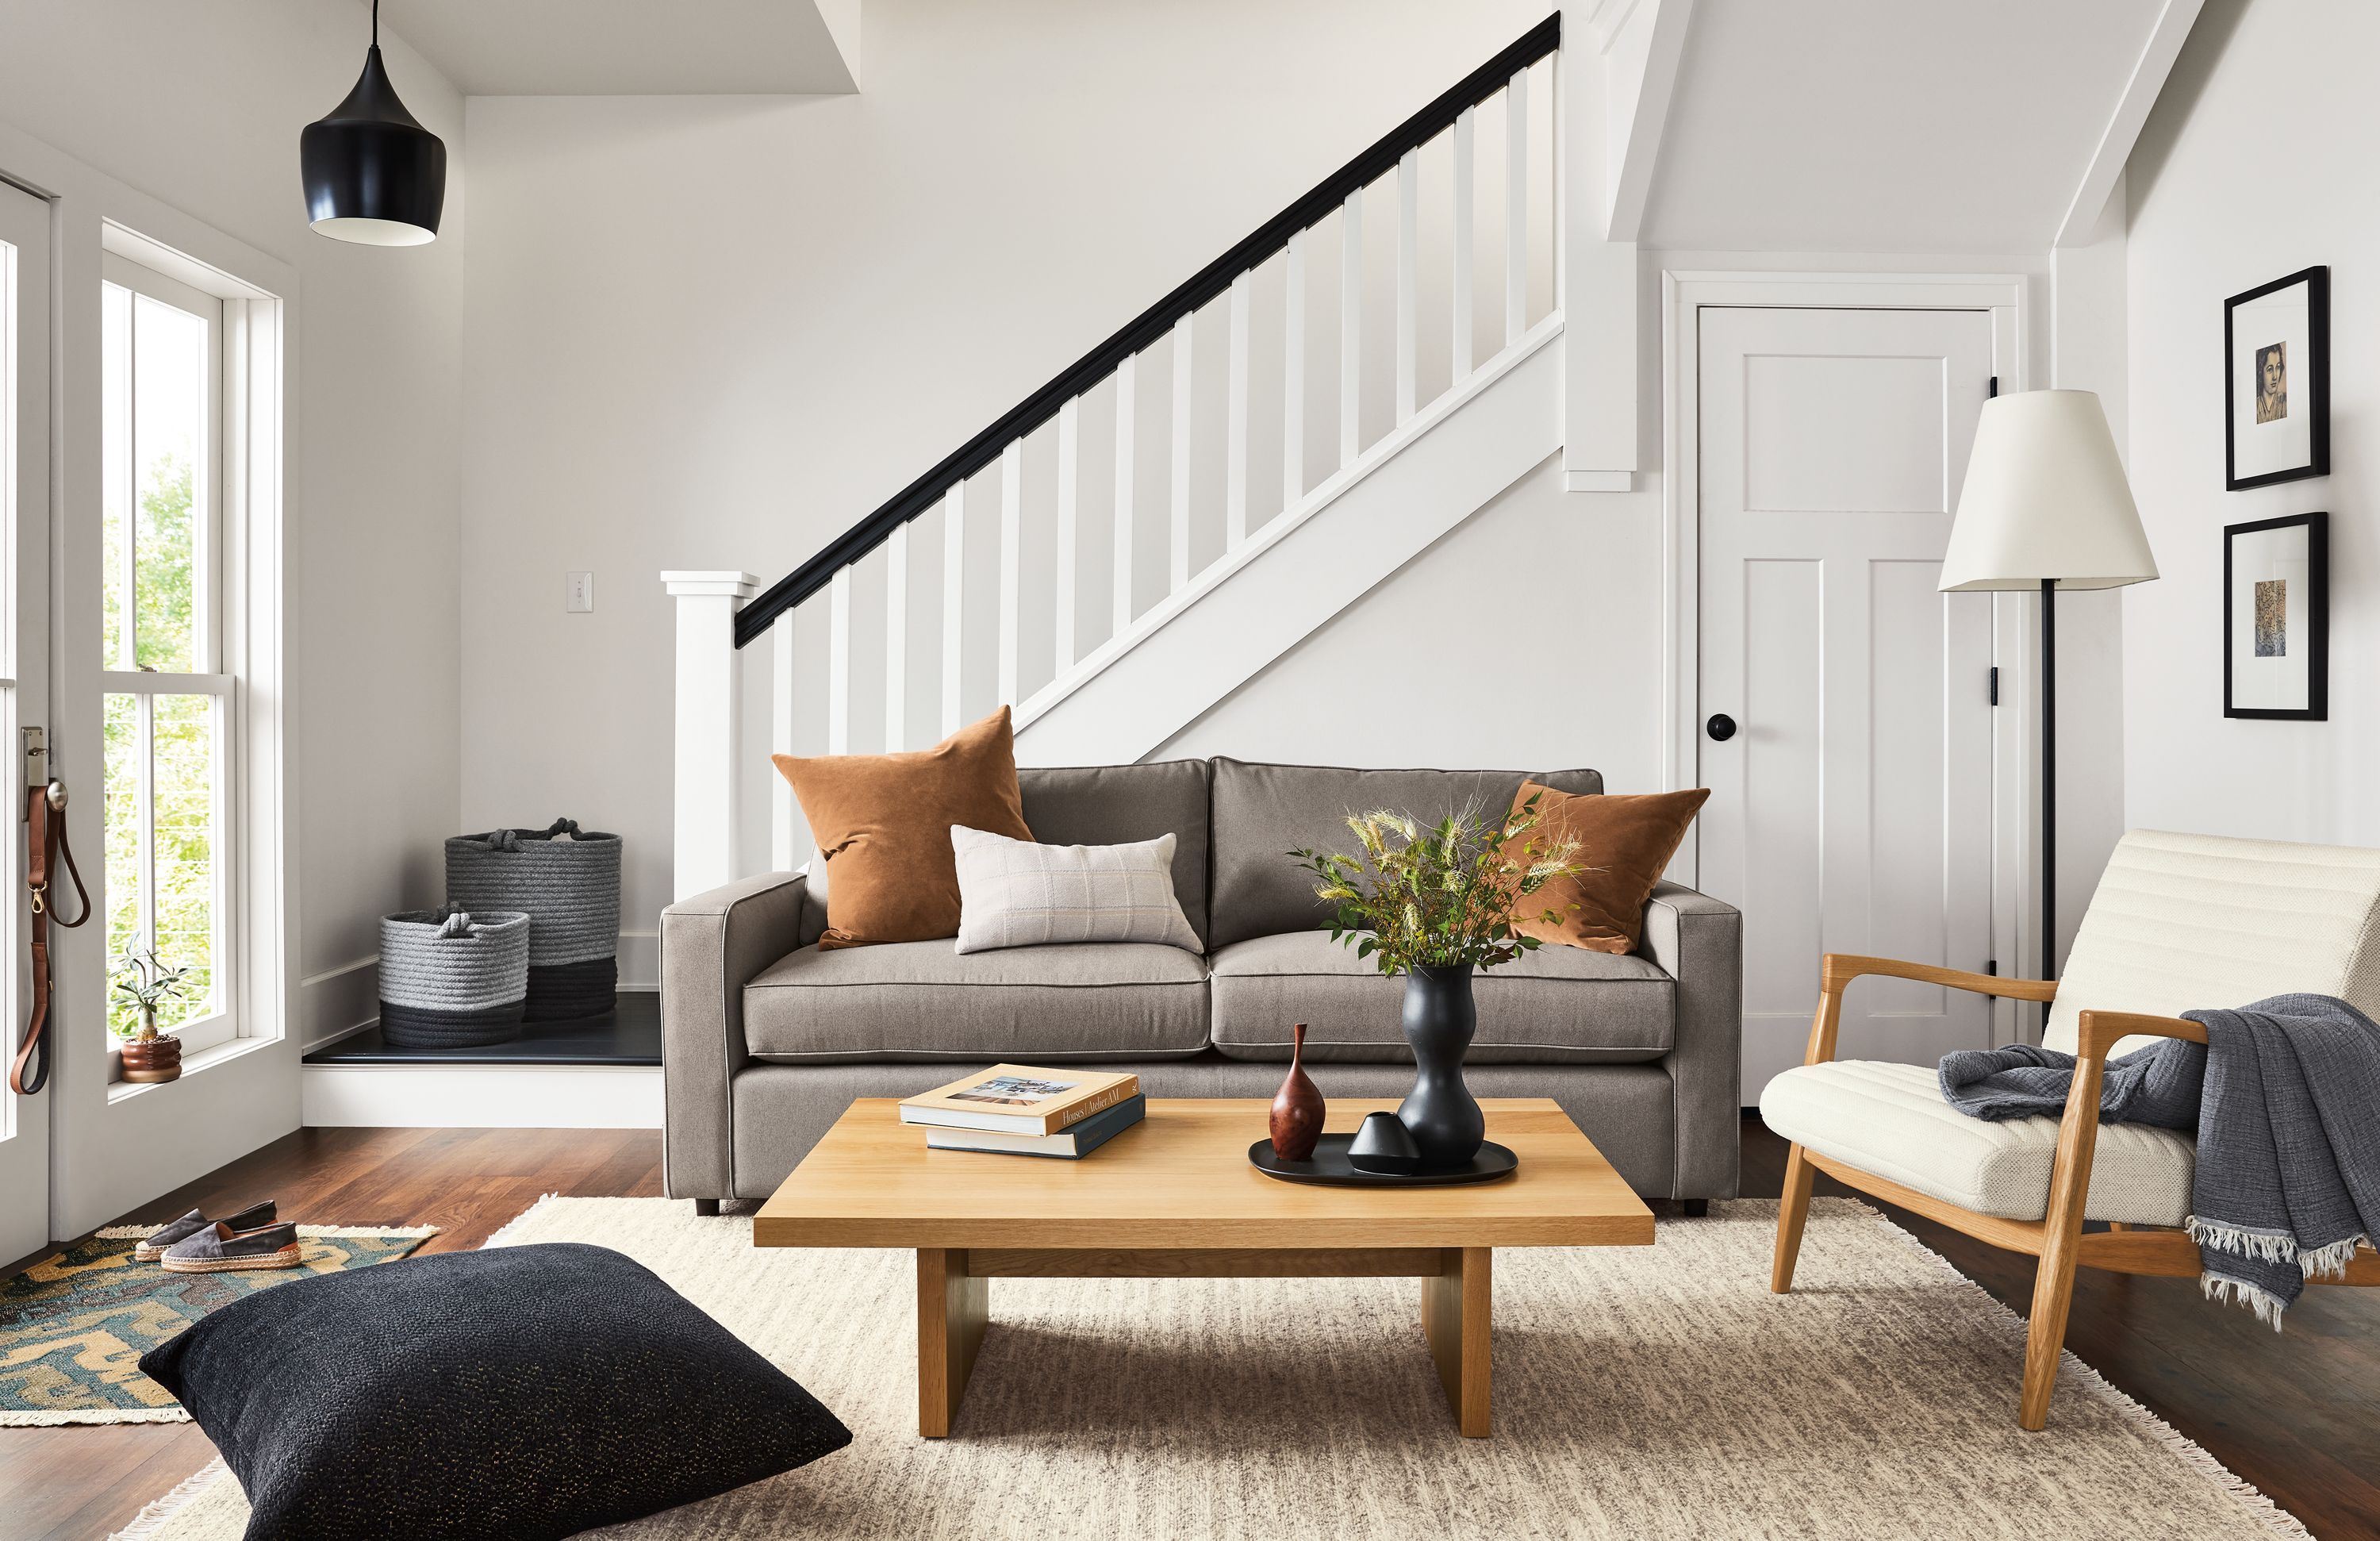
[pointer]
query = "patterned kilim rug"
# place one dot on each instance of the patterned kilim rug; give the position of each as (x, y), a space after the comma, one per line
(1656, 1391)
(73, 1326)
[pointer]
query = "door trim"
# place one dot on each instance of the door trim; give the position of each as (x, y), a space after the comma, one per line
(1684, 293)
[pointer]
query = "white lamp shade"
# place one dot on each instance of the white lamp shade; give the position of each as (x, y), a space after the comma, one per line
(2046, 498)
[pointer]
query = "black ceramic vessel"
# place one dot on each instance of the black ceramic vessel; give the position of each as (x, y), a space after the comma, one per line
(1439, 1112)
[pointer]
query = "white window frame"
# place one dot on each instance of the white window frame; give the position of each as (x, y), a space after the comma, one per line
(220, 1024)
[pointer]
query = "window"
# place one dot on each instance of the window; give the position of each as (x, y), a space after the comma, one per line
(166, 695)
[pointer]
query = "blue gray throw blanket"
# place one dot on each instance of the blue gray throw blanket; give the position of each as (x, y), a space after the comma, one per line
(2285, 1097)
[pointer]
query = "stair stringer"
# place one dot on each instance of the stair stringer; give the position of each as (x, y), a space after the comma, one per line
(1254, 604)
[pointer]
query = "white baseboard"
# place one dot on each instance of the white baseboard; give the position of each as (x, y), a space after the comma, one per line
(480, 1097)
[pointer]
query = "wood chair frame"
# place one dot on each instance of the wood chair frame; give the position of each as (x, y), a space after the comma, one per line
(2058, 1241)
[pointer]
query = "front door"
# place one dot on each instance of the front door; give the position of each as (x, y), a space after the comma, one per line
(24, 676)
(1844, 704)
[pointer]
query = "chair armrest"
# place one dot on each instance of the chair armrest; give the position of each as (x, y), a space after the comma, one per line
(1838, 969)
(1698, 940)
(2097, 1032)
(712, 946)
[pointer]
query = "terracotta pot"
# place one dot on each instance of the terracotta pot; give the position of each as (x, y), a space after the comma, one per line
(1297, 1106)
(152, 1059)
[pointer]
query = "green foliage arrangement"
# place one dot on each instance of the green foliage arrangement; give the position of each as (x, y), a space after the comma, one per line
(1440, 895)
(144, 983)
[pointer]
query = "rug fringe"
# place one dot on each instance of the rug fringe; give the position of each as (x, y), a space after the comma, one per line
(2250, 1497)
(118, 1233)
(505, 1230)
(26, 1419)
(152, 1517)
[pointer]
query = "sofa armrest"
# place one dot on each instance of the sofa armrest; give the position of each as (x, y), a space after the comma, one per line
(712, 946)
(1699, 941)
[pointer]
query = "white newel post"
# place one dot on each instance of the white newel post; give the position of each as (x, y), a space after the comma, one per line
(709, 668)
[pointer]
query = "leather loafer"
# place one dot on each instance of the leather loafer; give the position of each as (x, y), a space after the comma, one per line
(220, 1249)
(152, 1246)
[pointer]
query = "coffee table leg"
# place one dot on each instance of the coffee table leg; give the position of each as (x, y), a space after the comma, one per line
(1454, 1315)
(953, 1309)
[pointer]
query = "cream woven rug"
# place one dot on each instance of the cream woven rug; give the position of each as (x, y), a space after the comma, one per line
(1639, 1391)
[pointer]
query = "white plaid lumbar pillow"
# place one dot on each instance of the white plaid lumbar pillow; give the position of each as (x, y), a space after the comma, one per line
(1015, 893)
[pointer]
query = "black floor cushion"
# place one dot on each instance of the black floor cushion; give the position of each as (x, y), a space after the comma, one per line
(522, 1391)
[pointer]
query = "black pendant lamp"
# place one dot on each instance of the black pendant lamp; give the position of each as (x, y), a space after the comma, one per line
(372, 174)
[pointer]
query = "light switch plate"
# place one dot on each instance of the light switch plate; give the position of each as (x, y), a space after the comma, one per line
(580, 597)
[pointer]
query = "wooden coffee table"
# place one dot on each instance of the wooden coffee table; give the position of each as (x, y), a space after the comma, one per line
(1174, 1197)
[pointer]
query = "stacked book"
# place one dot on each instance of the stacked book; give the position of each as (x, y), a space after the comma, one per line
(1020, 1110)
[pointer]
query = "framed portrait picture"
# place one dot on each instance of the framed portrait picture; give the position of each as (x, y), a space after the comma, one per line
(2276, 618)
(2276, 380)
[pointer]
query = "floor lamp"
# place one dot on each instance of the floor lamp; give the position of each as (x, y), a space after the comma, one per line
(2045, 506)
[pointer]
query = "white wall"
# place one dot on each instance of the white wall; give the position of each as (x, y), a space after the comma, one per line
(2256, 163)
(200, 106)
(713, 332)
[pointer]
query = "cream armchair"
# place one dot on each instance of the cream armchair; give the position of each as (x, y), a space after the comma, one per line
(2179, 922)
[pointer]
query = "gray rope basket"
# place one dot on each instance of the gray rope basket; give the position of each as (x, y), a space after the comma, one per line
(568, 881)
(452, 979)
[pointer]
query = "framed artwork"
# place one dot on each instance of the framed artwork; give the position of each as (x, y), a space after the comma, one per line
(2276, 619)
(2277, 382)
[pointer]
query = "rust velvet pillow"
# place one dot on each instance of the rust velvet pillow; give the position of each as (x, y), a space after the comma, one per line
(883, 823)
(1623, 842)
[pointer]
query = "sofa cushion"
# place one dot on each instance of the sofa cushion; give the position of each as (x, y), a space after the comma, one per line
(925, 1001)
(1117, 804)
(1889, 1120)
(1558, 1004)
(1262, 812)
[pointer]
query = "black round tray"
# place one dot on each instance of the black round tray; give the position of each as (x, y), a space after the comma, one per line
(1329, 1167)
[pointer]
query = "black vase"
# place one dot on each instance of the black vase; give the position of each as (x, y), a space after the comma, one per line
(1439, 1112)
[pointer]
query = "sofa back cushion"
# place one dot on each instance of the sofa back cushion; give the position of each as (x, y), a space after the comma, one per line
(1118, 804)
(1262, 812)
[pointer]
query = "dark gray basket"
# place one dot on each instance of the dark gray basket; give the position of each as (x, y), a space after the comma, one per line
(451, 979)
(569, 888)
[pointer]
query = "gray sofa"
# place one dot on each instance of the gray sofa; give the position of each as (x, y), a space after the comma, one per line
(766, 1040)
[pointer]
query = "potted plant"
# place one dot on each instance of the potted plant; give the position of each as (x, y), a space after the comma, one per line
(143, 982)
(1433, 903)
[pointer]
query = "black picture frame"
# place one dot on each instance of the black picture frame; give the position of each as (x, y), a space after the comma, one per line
(2317, 616)
(2317, 382)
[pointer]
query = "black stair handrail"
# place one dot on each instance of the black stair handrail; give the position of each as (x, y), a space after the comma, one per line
(1143, 330)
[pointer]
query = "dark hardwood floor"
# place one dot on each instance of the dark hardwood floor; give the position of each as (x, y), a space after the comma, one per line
(2297, 1413)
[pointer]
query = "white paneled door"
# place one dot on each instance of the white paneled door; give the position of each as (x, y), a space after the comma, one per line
(24, 673)
(1844, 705)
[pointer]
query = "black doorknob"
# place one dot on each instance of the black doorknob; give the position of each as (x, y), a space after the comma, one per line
(1721, 727)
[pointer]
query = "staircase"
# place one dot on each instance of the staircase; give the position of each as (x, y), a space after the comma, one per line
(1142, 561)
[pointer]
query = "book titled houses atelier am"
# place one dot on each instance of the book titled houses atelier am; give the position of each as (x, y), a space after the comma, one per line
(1020, 1100)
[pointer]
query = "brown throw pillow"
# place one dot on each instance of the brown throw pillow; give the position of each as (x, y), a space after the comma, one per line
(1623, 843)
(883, 822)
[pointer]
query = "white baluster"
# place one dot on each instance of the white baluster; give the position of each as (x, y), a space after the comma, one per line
(1516, 207)
(1408, 279)
(1293, 377)
(710, 669)
(954, 590)
(1236, 456)
(1351, 328)
(1465, 157)
(1181, 464)
(838, 663)
(1070, 427)
(896, 640)
(1012, 525)
(782, 857)
(1127, 373)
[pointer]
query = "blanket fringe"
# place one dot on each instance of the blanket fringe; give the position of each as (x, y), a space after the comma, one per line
(2330, 1262)
(2269, 1247)
(2267, 1305)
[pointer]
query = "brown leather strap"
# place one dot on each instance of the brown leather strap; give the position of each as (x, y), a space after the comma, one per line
(45, 839)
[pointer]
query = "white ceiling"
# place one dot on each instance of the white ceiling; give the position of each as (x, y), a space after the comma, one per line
(636, 47)
(1888, 125)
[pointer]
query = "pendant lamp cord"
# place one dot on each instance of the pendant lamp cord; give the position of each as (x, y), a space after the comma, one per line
(375, 23)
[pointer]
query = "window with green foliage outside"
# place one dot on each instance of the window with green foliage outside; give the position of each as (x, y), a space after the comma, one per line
(163, 704)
